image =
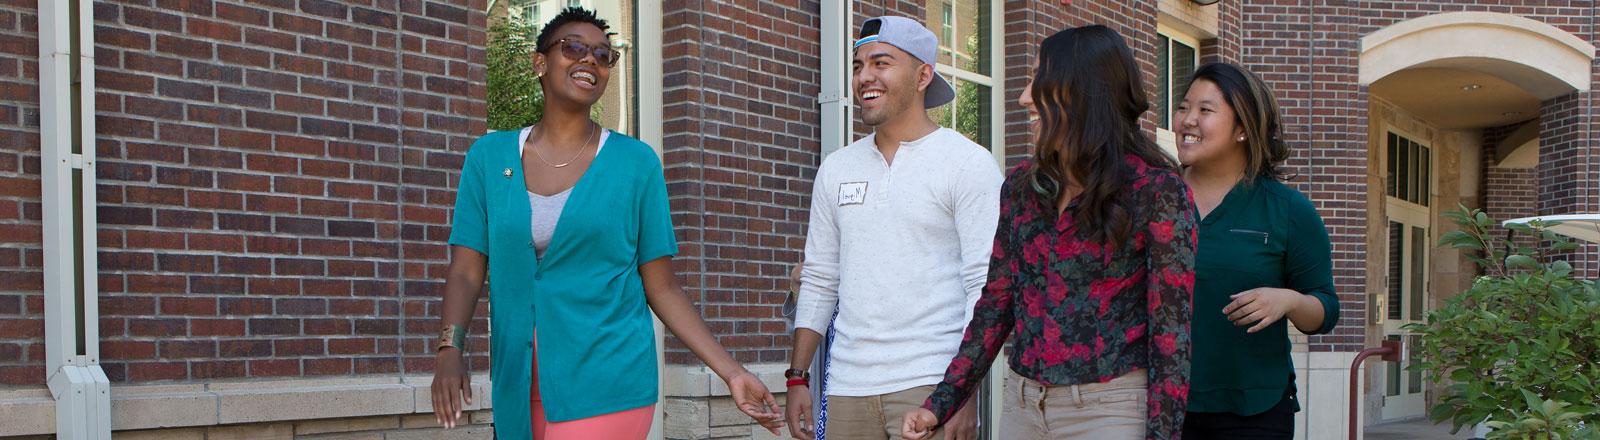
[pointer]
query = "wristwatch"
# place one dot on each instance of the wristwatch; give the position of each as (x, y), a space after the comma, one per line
(796, 373)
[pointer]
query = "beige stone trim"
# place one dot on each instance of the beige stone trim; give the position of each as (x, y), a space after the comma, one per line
(700, 381)
(1520, 149)
(1189, 18)
(31, 411)
(1538, 57)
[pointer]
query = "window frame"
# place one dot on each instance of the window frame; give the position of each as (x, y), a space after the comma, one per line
(1166, 137)
(995, 81)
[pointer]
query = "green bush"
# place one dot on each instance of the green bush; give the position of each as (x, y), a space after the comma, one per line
(1520, 346)
(515, 99)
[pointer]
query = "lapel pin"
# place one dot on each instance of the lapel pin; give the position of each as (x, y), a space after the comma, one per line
(507, 172)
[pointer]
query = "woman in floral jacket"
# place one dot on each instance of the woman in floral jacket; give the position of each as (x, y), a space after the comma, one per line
(1093, 264)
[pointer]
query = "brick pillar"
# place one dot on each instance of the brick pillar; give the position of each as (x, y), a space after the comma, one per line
(741, 150)
(1569, 161)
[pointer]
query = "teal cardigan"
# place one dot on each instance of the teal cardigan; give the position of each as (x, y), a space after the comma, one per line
(596, 341)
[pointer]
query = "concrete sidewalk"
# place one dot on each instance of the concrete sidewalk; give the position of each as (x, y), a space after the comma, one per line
(1419, 429)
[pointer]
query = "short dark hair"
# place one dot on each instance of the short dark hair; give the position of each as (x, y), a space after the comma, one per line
(568, 16)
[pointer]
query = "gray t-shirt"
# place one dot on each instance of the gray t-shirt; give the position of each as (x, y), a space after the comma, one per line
(547, 209)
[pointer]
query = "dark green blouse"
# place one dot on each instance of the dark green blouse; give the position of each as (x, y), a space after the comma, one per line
(1262, 235)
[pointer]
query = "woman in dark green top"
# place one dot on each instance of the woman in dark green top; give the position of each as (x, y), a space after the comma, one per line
(1263, 256)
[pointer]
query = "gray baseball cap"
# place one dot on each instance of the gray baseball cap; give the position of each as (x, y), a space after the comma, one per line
(912, 37)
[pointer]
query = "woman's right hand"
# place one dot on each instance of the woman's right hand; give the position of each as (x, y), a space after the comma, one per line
(452, 387)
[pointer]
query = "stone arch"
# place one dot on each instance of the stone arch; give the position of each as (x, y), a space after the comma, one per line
(1541, 59)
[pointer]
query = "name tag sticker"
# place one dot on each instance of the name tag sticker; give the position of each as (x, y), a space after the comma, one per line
(852, 193)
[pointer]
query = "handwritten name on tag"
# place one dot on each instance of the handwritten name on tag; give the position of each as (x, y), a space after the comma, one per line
(852, 193)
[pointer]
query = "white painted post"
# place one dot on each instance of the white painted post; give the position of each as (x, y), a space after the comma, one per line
(649, 37)
(78, 385)
(835, 94)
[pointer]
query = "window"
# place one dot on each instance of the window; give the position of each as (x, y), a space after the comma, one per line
(948, 26)
(1409, 174)
(968, 40)
(530, 14)
(1177, 57)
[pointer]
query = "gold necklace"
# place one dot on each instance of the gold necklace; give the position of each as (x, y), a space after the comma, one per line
(574, 158)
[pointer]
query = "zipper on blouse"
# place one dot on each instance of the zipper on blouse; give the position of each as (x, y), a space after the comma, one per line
(1263, 235)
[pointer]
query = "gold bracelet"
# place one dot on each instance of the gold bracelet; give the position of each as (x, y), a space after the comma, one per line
(452, 336)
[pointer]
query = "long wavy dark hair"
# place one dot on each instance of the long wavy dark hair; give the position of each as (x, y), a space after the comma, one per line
(1256, 111)
(1089, 94)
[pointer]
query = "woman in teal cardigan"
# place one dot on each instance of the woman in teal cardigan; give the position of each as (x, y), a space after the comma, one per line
(571, 224)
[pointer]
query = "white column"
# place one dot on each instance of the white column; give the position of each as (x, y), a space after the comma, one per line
(835, 94)
(72, 344)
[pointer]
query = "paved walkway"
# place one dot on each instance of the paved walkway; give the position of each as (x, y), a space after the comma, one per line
(1420, 429)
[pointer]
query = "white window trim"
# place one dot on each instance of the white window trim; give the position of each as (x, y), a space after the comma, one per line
(1165, 138)
(1383, 165)
(995, 81)
(836, 97)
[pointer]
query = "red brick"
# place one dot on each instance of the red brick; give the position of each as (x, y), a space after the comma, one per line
(148, 19)
(218, 327)
(194, 306)
(184, 47)
(193, 7)
(322, 327)
(11, 328)
(156, 327)
(243, 182)
(181, 349)
(217, 369)
(335, 366)
(244, 348)
(247, 306)
(216, 284)
(243, 14)
(274, 367)
(297, 24)
(351, 346)
(212, 29)
(156, 283)
(127, 350)
(297, 347)
(151, 371)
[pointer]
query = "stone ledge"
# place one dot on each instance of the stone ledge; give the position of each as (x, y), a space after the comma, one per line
(700, 381)
(31, 410)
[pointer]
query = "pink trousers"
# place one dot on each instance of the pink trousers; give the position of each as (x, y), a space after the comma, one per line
(633, 424)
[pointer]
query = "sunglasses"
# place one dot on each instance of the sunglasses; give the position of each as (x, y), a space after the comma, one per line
(575, 50)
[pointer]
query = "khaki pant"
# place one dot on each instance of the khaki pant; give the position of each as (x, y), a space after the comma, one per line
(1114, 410)
(877, 417)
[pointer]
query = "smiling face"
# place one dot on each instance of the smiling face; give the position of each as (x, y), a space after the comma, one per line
(580, 81)
(1025, 99)
(888, 81)
(1207, 128)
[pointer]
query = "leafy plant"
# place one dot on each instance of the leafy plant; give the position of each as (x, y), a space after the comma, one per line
(1520, 346)
(515, 98)
(1544, 420)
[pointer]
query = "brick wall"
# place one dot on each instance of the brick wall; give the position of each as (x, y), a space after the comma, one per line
(1028, 23)
(21, 254)
(1507, 193)
(741, 148)
(1568, 159)
(275, 184)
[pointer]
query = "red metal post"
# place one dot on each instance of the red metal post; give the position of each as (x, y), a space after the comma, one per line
(1389, 351)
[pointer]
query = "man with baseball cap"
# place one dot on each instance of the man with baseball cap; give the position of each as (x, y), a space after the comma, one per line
(902, 223)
